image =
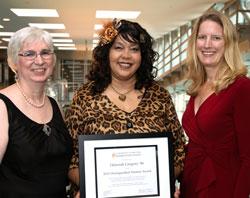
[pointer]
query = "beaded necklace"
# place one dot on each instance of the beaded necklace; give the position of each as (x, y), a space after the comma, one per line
(46, 128)
(28, 100)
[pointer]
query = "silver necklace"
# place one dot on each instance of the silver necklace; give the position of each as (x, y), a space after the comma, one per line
(28, 100)
(121, 96)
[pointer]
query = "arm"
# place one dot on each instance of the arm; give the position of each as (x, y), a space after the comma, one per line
(74, 175)
(174, 126)
(4, 138)
(242, 126)
(74, 122)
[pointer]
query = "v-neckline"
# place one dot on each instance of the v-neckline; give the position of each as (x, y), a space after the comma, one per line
(202, 104)
(119, 109)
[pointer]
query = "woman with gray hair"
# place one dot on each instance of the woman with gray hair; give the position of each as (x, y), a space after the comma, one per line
(35, 147)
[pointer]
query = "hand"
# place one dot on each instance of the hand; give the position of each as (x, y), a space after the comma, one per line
(177, 193)
(77, 194)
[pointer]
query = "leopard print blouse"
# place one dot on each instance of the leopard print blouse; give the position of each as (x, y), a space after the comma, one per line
(96, 114)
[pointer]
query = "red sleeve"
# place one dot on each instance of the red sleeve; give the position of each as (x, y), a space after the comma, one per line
(242, 126)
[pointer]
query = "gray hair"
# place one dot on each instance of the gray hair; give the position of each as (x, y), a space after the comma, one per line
(22, 36)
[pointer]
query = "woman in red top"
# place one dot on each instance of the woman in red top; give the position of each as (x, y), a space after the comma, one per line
(216, 119)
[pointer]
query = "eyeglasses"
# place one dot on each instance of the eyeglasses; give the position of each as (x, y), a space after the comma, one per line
(31, 55)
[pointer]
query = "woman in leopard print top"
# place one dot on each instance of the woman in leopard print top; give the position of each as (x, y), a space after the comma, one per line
(121, 96)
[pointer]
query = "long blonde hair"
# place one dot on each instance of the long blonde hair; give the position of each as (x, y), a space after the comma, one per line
(231, 65)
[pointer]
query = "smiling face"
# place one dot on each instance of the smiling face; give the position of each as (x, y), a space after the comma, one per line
(125, 59)
(38, 69)
(210, 44)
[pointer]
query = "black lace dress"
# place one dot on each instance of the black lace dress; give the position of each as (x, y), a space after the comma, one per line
(35, 164)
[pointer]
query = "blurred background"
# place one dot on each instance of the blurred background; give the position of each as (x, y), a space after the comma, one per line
(74, 25)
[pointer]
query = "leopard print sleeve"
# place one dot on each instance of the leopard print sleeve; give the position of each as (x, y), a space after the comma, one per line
(173, 125)
(74, 119)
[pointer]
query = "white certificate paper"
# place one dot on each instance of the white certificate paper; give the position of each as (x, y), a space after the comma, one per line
(127, 171)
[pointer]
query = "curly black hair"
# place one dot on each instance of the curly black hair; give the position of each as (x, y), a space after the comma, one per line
(133, 33)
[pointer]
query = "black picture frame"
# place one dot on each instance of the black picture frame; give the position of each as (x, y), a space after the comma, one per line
(104, 176)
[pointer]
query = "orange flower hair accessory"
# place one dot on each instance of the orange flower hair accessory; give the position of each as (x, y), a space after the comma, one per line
(109, 32)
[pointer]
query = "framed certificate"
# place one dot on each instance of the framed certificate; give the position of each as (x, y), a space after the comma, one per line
(126, 165)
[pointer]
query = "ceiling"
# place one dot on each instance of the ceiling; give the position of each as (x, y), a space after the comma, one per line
(78, 16)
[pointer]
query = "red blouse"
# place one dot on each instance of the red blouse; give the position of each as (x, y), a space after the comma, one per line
(218, 159)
